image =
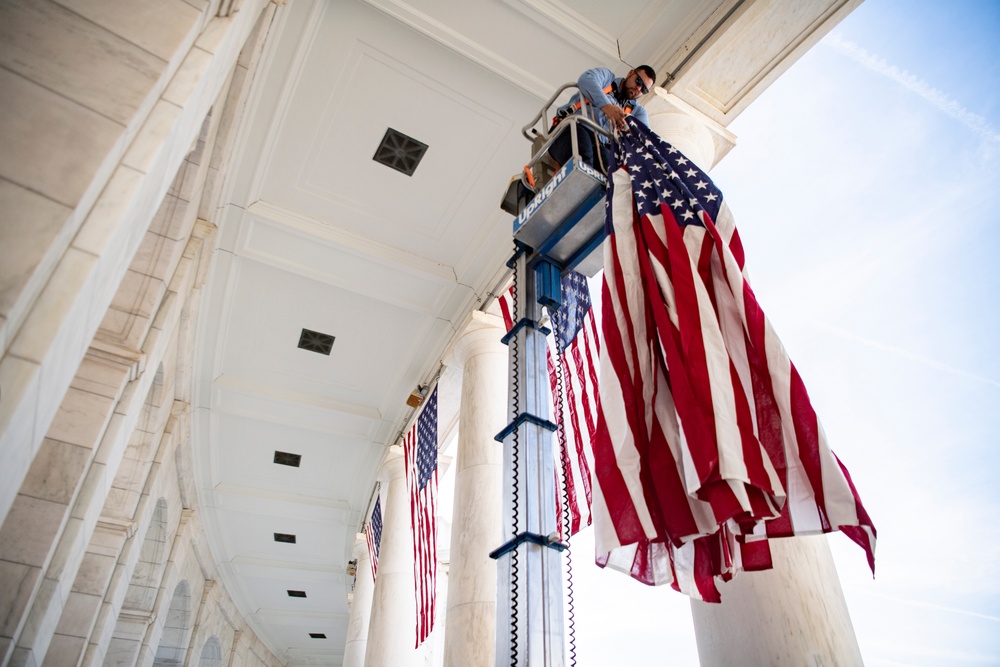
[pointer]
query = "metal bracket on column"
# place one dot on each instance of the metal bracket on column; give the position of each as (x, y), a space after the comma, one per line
(534, 538)
(521, 250)
(548, 283)
(521, 324)
(520, 419)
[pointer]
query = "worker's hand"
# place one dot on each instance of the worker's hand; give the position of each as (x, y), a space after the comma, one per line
(616, 115)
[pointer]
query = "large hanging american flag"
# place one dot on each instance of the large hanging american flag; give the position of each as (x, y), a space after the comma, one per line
(420, 456)
(373, 535)
(576, 350)
(707, 443)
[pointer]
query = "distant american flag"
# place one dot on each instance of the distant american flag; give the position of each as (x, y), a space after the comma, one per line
(420, 452)
(373, 534)
(707, 443)
(576, 412)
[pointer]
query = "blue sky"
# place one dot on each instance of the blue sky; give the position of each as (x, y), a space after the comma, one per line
(866, 186)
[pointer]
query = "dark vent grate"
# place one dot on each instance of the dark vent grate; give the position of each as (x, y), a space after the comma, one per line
(314, 341)
(287, 459)
(317, 635)
(284, 537)
(296, 594)
(400, 152)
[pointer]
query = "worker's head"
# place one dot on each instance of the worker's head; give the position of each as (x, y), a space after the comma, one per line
(639, 81)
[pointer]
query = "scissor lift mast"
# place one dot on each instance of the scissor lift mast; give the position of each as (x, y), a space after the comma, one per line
(557, 230)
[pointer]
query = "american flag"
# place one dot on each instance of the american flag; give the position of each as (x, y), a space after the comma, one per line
(373, 534)
(707, 444)
(576, 412)
(420, 455)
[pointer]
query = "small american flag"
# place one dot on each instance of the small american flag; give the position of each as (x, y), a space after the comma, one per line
(373, 534)
(420, 452)
(576, 411)
(707, 444)
(577, 350)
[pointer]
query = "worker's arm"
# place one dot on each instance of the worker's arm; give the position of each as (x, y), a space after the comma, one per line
(592, 84)
(640, 114)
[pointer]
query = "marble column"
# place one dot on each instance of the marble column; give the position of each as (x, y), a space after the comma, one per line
(702, 140)
(361, 604)
(794, 614)
(470, 621)
(392, 630)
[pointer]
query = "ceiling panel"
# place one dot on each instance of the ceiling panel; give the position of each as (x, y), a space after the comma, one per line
(322, 166)
(270, 307)
(250, 535)
(284, 239)
(329, 467)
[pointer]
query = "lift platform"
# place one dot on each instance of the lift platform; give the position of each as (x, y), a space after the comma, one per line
(557, 212)
(558, 227)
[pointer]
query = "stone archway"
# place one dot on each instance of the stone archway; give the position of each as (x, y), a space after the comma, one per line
(211, 653)
(173, 642)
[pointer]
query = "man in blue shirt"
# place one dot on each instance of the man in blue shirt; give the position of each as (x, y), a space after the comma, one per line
(607, 100)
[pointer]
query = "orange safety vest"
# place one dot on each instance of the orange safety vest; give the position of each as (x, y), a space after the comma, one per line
(576, 106)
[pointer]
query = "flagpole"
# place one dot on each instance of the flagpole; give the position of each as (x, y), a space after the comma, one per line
(530, 623)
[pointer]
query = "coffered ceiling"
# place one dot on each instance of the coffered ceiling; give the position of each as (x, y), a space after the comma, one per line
(317, 235)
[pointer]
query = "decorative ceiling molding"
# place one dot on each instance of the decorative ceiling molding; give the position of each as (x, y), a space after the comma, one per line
(668, 58)
(256, 106)
(335, 237)
(246, 386)
(255, 493)
(639, 27)
(562, 20)
(467, 48)
(734, 65)
(280, 617)
(264, 568)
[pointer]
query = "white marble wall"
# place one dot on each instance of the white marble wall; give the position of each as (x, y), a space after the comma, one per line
(102, 255)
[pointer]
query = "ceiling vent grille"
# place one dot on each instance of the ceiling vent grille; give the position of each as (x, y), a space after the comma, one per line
(400, 152)
(314, 341)
(296, 594)
(317, 635)
(287, 538)
(287, 459)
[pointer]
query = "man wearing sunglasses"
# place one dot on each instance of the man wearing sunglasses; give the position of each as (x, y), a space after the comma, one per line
(608, 100)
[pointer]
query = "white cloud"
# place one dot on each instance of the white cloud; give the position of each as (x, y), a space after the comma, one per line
(911, 356)
(915, 84)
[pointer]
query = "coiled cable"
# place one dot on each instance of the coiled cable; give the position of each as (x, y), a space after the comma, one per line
(515, 493)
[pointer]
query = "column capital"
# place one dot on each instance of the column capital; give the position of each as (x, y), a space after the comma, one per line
(481, 335)
(392, 464)
(360, 548)
(700, 138)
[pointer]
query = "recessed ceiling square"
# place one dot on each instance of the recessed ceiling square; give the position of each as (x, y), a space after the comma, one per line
(315, 341)
(296, 594)
(317, 635)
(287, 459)
(287, 538)
(400, 152)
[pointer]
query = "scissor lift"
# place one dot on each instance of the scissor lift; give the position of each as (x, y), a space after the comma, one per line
(559, 226)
